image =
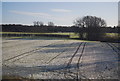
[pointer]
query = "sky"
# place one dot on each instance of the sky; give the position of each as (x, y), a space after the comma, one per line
(60, 13)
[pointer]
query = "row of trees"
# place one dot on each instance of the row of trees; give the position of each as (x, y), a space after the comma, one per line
(91, 24)
(40, 23)
(86, 21)
(89, 27)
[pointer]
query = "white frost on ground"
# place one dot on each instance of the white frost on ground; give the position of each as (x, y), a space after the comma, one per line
(44, 61)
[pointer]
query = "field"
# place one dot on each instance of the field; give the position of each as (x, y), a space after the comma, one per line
(110, 37)
(60, 59)
(38, 35)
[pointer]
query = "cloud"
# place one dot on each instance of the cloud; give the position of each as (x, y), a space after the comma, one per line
(49, 17)
(61, 10)
(30, 13)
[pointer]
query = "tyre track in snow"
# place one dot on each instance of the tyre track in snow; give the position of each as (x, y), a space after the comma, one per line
(77, 74)
(113, 47)
(17, 43)
(66, 70)
(70, 61)
(59, 54)
(14, 58)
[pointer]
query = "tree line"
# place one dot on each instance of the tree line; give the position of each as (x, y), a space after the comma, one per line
(88, 27)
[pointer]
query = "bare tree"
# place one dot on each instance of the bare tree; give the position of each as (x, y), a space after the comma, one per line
(79, 23)
(50, 24)
(35, 23)
(38, 23)
(92, 23)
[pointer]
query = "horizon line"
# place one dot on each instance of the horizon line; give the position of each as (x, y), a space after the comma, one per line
(44, 24)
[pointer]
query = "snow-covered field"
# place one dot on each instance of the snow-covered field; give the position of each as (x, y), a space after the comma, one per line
(60, 59)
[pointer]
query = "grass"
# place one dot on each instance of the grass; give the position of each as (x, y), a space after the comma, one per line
(15, 78)
(112, 35)
(60, 33)
(72, 35)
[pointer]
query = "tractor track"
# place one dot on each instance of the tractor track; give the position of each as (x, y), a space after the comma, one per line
(59, 54)
(114, 48)
(5, 47)
(80, 59)
(67, 73)
(70, 61)
(27, 53)
(72, 74)
(50, 59)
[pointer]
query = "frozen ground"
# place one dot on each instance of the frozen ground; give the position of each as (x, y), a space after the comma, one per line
(60, 59)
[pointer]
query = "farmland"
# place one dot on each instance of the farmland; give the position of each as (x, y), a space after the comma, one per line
(39, 35)
(110, 37)
(60, 59)
(50, 41)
